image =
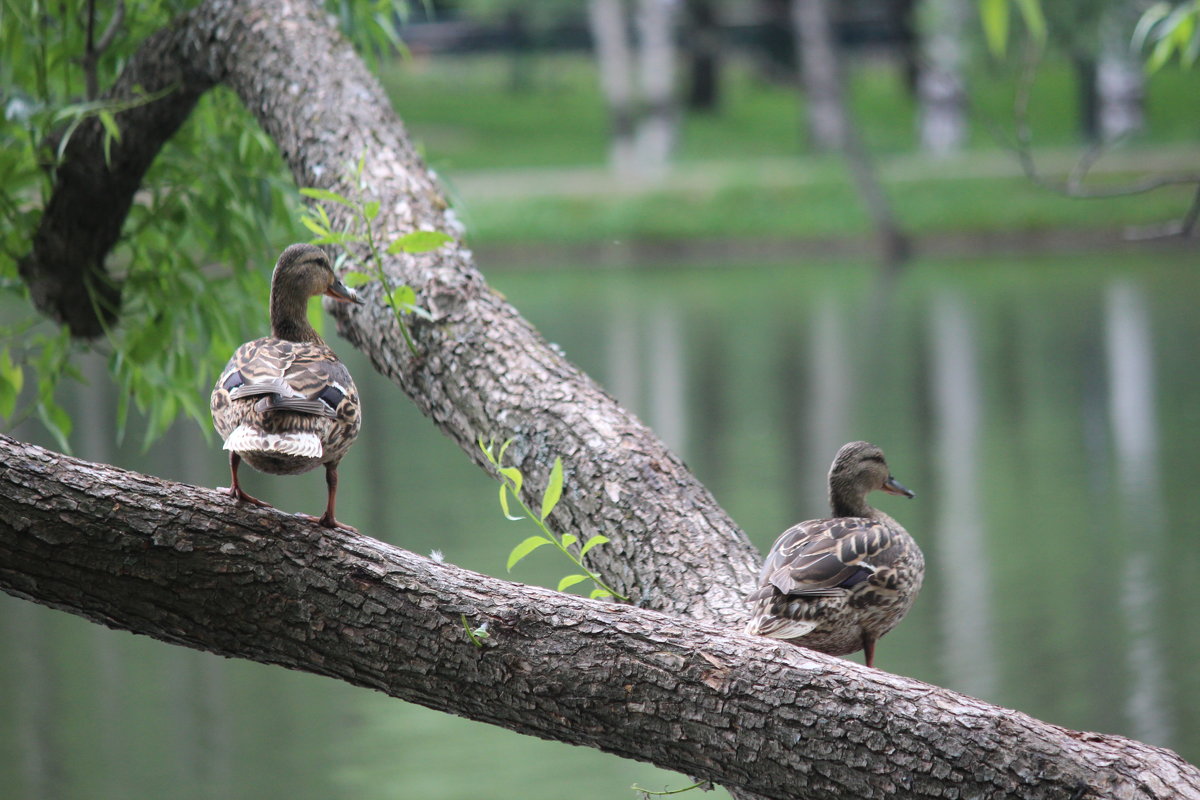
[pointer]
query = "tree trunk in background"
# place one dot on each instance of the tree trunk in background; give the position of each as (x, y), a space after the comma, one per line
(614, 59)
(659, 123)
(832, 128)
(820, 74)
(704, 54)
(1120, 78)
(515, 24)
(1085, 86)
(639, 89)
(941, 86)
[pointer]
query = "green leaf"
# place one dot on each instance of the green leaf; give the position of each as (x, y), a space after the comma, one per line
(403, 297)
(570, 580)
(525, 548)
(419, 242)
(553, 489)
(356, 279)
(598, 539)
(111, 128)
(504, 503)
(370, 210)
(1150, 18)
(1035, 21)
(569, 539)
(12, 379)
(326, 196)
(994, 16)
(314, 226)
(420, 312)
(1160, 55)
(56, 420)
(598, 593)
(514, 476)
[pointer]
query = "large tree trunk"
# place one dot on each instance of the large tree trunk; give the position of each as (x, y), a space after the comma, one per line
(190, 567)
(187, 565)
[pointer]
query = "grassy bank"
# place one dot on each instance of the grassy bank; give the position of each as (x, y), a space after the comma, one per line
(529, 165)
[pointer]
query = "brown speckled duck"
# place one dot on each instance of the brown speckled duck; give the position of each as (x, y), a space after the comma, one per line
(285, 403)
(836, 585)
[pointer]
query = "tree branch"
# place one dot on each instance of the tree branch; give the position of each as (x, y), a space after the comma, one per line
(1075, 185)
(189, 566)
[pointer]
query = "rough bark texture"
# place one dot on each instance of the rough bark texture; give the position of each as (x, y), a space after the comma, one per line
(186, 565)
(484, 371)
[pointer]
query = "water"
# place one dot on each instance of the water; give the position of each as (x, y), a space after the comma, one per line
(1044, 410)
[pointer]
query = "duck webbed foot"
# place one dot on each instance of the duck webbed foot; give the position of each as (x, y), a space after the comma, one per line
(235, 489)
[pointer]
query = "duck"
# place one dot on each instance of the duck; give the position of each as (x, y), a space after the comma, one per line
(837, 585)
(285, 404)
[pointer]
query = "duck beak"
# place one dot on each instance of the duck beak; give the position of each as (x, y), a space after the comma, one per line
(342, 292)
(893, 486)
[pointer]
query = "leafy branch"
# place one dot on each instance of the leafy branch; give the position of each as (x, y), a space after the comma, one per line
(511, 480)
(360, 229)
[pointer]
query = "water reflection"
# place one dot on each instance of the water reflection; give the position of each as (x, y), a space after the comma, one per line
(830, 388)
(1132, 400)
(965, 571)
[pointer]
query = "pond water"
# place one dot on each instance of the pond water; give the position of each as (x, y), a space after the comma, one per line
(1045, 411)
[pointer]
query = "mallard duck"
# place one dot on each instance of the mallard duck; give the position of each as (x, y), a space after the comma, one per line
(836, 585)
(285, 403)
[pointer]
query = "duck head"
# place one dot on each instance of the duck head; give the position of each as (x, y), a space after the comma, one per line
(303, 271)
(859, 469)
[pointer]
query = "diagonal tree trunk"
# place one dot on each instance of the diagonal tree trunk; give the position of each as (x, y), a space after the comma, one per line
(185, 565)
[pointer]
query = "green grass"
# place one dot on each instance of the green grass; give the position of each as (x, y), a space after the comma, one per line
(746, 171)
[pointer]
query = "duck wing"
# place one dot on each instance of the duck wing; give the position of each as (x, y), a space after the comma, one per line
(823, 558)
(302, 377)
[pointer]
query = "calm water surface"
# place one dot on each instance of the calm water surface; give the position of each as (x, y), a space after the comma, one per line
(1046, 412)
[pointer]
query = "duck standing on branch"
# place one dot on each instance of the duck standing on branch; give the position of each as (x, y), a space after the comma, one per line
(836, 585)
(285, 403)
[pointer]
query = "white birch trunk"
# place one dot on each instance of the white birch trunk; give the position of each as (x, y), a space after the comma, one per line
(941, 90)
(614, 60)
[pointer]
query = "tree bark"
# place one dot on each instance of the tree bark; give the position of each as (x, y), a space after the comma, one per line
(484, 371)
(189, 566)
